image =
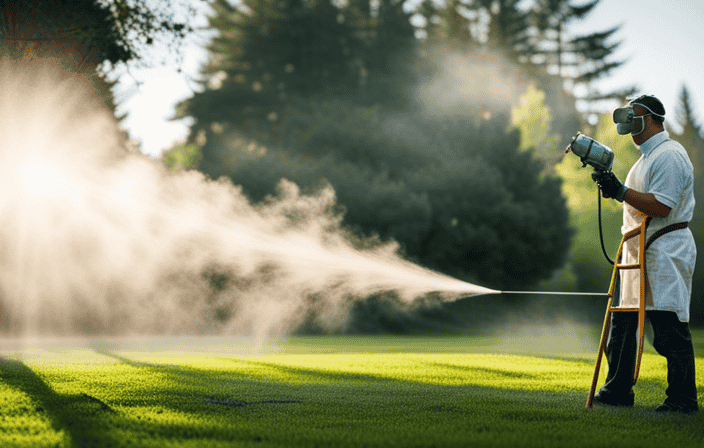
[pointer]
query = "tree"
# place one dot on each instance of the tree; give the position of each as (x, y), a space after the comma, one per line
(582, 58)
(266, 54)
(448, 24)
(494, 215)
(273, 62)
(96, 30)
(691, 134)
(536, 37)
(532, 117)
(390, 60)
(458, 196)
(530, 44)
(691, 137)
(77, 35)
(81, 35)
(182, 156)
(508, 29)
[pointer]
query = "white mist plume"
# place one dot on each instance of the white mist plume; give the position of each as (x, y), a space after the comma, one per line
(483, 80)
(94, 239)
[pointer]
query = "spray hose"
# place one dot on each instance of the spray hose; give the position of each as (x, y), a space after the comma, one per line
(601, 235)
(603, 249)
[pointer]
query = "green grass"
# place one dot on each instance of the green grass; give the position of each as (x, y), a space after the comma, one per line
(334, 391)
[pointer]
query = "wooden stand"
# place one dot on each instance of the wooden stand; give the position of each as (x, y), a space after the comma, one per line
(610, 308)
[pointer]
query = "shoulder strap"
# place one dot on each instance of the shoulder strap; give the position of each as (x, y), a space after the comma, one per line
(664, 230)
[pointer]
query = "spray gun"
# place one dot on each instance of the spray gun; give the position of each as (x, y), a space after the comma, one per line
(591, 152)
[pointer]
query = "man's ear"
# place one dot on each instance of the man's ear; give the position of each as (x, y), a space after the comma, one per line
(657, 123)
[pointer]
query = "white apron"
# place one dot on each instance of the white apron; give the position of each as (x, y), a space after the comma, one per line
(670, 259)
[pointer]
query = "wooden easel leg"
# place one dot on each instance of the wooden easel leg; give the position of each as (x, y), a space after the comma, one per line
(606, 327)
(641, 303)
(602, 346)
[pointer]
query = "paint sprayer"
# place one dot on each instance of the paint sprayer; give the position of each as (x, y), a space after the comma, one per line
(591, 152)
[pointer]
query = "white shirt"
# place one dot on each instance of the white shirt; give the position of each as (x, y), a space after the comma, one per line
(664, 169)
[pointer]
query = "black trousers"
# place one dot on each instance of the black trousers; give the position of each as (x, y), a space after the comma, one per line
(672, 340)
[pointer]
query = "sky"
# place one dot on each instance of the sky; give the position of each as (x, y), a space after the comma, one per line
(661, 44)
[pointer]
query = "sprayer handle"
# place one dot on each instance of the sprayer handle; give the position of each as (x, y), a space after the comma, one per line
(597, 177)
(610, 186)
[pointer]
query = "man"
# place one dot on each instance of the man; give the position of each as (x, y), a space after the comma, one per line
(659, 187)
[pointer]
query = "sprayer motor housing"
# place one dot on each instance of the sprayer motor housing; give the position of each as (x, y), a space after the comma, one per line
(592, 152)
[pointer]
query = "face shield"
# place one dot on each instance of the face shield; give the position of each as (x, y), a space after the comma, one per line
(627, 122)
(624, 118)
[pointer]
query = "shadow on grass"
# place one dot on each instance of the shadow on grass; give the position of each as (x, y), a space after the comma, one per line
(74, 414)
(87, 421)
(198, 378)
(577, 359)
(319, 375)
(650, 388)
(238, 407)
(484, 370)
(196, 375)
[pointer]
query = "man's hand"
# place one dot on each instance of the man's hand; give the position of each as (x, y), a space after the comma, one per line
(610, 186)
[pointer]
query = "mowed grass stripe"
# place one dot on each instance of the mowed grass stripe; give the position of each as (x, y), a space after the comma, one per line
(498, 371)
(146, 398)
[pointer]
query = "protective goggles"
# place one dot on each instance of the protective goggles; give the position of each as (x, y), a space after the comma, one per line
(627, 122)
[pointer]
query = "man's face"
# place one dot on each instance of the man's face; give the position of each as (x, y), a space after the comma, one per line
(641, 124)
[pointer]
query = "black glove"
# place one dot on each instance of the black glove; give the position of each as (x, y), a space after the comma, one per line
(610, 186)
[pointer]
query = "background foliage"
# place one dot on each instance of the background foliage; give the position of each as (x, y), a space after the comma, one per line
(369, 100)
(439, 125)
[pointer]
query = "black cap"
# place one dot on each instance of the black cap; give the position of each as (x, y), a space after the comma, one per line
(651, 103)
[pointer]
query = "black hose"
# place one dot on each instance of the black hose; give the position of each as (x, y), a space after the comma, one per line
(601, 235)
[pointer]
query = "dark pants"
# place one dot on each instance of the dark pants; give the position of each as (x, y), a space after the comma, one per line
(672, 340)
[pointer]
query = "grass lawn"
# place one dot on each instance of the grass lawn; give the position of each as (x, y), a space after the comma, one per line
(332, 391)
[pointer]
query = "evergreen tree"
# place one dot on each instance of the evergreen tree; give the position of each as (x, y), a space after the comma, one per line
(266, 53)
(508, 30)
(533, 45)
(538, 38)
(494, 215)
(580, 58)
(466, 26)
(455, 192)
(566, 60)
(390, 61)
(274, 63)
(691, 137)
(450, 24)
(457, 196)
(391, 57)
